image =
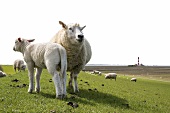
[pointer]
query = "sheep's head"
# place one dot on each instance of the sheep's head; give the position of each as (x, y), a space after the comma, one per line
(21, 43)
(23, 67)
(73, 32)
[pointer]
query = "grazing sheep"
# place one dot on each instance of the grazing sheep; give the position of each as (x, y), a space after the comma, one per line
(1, 69)
(44, 55)
(133, 79)
(2, 74)
(97, 72)
(77, 47)
(19, 64)
(111, 76)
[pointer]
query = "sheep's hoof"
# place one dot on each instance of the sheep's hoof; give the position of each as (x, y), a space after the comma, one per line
(70, 85)
(37, 90)
(64, 96)
(76, 91)
(59, 97)
(30, 90)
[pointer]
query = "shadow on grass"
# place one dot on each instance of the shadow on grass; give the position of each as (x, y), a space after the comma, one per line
(48, 95)
(102, 98)
(92, 97)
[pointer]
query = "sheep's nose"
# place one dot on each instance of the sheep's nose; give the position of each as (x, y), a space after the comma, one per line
(80, 36)
(14, 48)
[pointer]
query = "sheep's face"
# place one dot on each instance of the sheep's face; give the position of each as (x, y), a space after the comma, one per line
(74, 33)
(21, 43)
(17, 46)
(23, 67)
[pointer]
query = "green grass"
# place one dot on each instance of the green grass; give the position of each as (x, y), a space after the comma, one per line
(97, 95)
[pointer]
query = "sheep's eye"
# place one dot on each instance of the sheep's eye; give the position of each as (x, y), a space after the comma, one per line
(16, 41)
(71, 29)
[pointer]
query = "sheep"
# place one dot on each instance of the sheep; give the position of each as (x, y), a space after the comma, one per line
(77, 47)
(2, 74)
(111, 76)
(19, 64)
(44, 55)
(97, 72)
(133, 79)
(100, 73)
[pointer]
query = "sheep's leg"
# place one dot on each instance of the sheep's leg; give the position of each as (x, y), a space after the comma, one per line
(63, 83)
(70, 80)
(76, 90)
(15, 69)
(57, 83)
(18, 69)
(37, 77)
(56, 79)
(31, 77)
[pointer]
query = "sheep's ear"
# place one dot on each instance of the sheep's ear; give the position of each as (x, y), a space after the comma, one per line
(19, 39)
(30, 40)
(63, 25)
(82, 28)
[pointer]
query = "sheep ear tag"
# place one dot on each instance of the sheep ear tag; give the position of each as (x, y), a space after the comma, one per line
(31, 40)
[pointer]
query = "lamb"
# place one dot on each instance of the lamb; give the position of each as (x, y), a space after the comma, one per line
(19, 64)
(111, 76)
(44, 55)
(133, 79)
(2, 74)
(77, 47)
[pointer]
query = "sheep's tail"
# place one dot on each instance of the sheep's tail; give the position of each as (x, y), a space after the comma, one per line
(63, 57)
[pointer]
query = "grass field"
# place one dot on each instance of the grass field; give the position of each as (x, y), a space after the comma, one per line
(97, 95)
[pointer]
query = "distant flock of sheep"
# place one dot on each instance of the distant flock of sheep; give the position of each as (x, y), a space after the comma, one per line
(109, 75)
(68, 50)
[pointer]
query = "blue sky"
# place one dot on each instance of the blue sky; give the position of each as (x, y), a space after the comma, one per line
(119, 31)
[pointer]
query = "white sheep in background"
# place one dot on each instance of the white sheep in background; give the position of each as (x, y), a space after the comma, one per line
(97, 72)
(2, 74)
(19, 64)
(100, 73)
(111, 76)
(44, 55)
(133, 79)
(78, 49)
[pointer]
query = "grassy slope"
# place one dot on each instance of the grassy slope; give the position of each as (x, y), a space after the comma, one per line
(96, 95)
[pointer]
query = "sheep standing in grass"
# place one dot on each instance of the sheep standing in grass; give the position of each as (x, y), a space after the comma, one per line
(44, 55)
(77, 47)
(19, 64)
(133, 79)
(97, 72)
(111, 76)
(2, 74)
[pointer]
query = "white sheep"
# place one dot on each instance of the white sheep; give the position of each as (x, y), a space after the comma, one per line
(19, 64)
(44, 55)
(111, 76)
(133, 79)
(97, 72)
(100, 73)
(77, 47)
(2, 74)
